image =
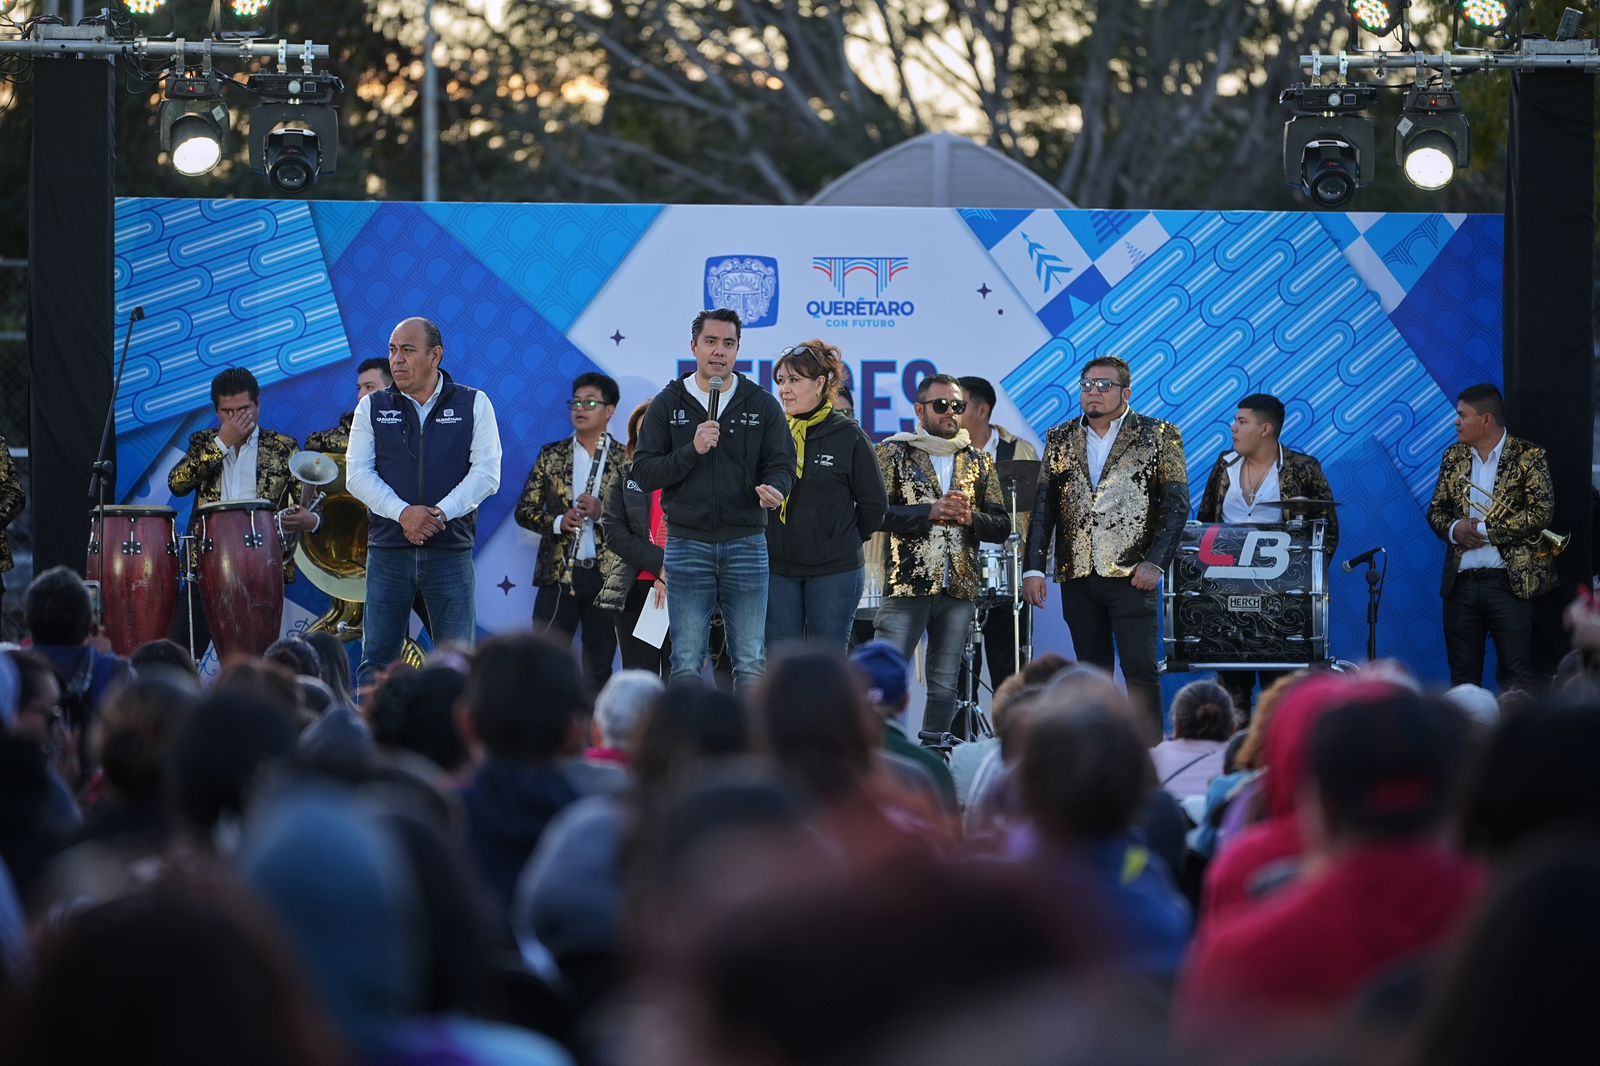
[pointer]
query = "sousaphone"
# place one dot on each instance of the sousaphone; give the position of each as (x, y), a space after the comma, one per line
(334, 558)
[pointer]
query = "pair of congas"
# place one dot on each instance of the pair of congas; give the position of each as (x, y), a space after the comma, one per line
(134, 554)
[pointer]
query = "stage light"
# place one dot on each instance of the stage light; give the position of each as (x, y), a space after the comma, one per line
(1490, 16)
(248, 9)
(294, 133)
(1377, 17)
(194, 123)
(1329, 148)
(144, 7)
(1432, 138)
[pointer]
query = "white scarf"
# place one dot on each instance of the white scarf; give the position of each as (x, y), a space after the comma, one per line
(931, 444)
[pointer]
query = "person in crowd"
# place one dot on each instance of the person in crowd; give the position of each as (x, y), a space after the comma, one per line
(335, 663)
(37, 811)
(635, 527)
(1515, 989)
(1003, 446)
(376, 922)
(967, 759)
(838, 502)
(1202, 721)
(569, 896)
(618, 710)
(1532, 780)
(163, 656)
(524, 708)
(1490, 504)
(414, 723)
(1380, 889)
(888, 694)
(222, 752)
(562, 503)
(1113, 496)
(720, 477)
(423, 501)
(180, 972)
(238, 460)
(943, 500)
(59, 614)
(1246, 485)
(1082, 779)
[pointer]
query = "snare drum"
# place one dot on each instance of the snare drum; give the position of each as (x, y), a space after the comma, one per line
(996, 575)
(1246, 597)
(133, 553)
(241, 575)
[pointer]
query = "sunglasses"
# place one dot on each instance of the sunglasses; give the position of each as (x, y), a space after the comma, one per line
(943, 406)
(797, 349)
(586, 404)
(1100, 384)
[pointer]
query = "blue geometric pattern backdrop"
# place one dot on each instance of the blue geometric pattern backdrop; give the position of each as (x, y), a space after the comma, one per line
(1366, 325)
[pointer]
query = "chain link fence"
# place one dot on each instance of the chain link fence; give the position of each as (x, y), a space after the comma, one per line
(14, 428)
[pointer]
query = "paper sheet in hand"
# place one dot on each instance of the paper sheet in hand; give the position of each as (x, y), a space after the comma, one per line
(652, 625)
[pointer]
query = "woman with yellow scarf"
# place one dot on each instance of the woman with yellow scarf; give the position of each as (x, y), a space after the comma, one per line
(815, 544)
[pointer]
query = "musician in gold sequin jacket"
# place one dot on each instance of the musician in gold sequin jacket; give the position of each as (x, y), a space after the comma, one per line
(1493, 567)
(371, 375)
(1113, 497)
(562, 503)
(944, 498)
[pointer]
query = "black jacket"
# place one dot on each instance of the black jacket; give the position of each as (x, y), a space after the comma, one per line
(712, 497)
(834, 508)
(627, 526)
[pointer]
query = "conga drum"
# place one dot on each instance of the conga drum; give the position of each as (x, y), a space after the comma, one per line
(133, 553)
(241, 575)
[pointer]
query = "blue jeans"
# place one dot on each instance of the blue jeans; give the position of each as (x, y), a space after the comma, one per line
(814, 608)
(704, 578)
(444, 577)
(903, 619)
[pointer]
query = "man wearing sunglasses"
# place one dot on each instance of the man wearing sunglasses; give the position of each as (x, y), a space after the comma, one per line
(1113, 497)
(943, 499)
(561, 503)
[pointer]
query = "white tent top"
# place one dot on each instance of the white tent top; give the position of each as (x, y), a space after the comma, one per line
(940, 170)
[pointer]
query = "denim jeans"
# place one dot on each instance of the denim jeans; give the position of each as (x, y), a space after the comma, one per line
(703, 578)
(820, 609)
(395, 576)
(902, 621)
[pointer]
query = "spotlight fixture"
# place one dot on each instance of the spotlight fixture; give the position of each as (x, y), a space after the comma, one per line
(1329, 148)
(144, 7)
(1377, 17)
(1431, 140)
(1489, 16)
(248, 9)
(294, 133)
(194, 123)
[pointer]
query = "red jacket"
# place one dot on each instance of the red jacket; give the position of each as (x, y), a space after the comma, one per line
(1295, 961)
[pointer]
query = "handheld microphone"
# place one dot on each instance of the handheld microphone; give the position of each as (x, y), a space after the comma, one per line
(1364, 557)
(716, 397)
(138, 314)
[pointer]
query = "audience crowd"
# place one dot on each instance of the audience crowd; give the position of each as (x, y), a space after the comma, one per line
(483, 862)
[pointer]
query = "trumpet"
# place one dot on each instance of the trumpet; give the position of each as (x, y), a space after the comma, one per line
(1498, 512)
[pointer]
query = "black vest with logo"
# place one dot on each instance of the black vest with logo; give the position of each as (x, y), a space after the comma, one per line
(421, 461)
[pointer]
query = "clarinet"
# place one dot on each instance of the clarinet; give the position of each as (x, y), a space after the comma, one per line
(588, 490)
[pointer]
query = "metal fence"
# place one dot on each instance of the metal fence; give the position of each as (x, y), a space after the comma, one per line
(14, 428)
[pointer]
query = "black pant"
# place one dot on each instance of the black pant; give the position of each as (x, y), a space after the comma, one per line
(1239, 684)
(638, 654)
(1100, 609)
(567, 608)
(1481, 604)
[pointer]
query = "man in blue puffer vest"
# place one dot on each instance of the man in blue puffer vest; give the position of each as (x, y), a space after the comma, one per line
(423, 454)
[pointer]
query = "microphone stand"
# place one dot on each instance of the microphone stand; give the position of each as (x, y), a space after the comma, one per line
(1375, 582)
(100, 469)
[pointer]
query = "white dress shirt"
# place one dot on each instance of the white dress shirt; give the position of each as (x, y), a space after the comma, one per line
(481, 482)
(239, 467)
(1236, 510)
(730, 385)
(1484, 471)
(1099, 448)
(944, 471)
(581, 462)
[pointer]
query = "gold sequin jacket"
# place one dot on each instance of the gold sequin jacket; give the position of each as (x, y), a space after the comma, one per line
(200, 472)
(925, 558)
(335, 440)
(1298, 475)
(547, 495)
(1135, 516)
(1522, 482)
